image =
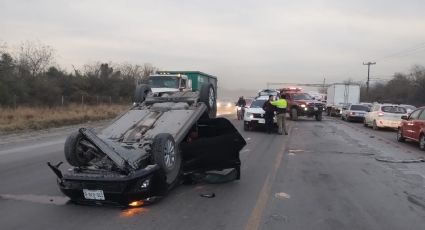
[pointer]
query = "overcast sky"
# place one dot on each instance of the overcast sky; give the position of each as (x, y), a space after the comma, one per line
(245, 43)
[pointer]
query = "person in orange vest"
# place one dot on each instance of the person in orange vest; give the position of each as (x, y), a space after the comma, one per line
(281, 105)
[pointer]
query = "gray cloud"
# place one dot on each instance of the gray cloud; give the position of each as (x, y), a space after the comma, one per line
(246, 43)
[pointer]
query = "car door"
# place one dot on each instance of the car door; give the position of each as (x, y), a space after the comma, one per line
(418, 123)
(369, 116)
(408, 128)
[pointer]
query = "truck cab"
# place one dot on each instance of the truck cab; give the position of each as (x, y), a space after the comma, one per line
(165, 83)
(302, 104)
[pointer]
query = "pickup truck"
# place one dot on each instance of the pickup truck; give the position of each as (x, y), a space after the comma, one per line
(302, 104)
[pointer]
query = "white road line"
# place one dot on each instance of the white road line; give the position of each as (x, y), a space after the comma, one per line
(31, 147)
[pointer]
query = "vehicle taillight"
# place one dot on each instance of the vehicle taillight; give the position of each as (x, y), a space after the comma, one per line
(381, 114)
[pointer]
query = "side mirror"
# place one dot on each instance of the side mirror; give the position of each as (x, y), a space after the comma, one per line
(404, 117)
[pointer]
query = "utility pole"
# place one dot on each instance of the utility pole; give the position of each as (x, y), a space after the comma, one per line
(368, 77)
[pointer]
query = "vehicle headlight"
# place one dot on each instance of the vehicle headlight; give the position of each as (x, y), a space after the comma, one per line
(218, 104)
(302, 106)
(229, 104)
(249, 115)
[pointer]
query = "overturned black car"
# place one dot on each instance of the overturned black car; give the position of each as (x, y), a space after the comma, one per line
(148, 150)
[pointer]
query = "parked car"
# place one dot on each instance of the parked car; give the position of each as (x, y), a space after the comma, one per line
(254, 115)
(412, 128)
(336, 110)
(384, 116)
(354, 112)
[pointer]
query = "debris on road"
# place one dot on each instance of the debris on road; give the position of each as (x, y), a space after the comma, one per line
(282, 195)
(207, 195)
(389, 160)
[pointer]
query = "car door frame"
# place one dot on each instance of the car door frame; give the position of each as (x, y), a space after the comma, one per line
(408, 125)
(416, 127)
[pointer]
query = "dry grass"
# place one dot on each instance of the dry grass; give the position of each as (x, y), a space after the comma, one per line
(24, 118)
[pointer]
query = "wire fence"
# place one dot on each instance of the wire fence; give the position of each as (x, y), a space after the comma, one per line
(60, 101)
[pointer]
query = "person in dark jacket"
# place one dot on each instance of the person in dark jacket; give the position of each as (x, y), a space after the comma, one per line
(269, 115)
(241, 102)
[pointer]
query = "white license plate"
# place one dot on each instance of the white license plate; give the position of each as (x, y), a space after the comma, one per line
(315, 108)
(262, 121)
(93, 194)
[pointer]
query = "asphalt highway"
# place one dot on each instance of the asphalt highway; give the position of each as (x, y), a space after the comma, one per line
(325, 175)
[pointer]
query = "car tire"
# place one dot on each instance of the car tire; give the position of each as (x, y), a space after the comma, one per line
(207, 95)
(74, 153)
(294, 114)
(374, 126)
(166, 154)
(365, 123)
(422, 142)
(400, 137)
(246, 127)
(318, 117)
(342, 117)
(141, 92)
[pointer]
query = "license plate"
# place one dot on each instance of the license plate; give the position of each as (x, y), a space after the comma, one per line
(261, 121)
(315, 108)
(93, 194)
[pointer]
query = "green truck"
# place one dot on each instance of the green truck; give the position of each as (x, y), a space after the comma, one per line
(164, 83)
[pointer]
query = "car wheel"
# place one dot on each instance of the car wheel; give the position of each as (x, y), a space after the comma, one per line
(208, 97)
(74, 152)
(400, 137)
(342, 117)
(246, 127)
(318, 117)
(422, 142)
(374, 126)
(294, 114)
(365, 123)
(167, 155)
(348, 119)
(141, 92)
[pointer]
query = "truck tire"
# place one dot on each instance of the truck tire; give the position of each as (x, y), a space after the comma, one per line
(318, 117)
(141, 92)
(167, 155)
(74, 153)
(294, 114)
(207, 95)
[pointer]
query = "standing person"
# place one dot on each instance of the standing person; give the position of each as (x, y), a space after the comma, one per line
(281, 105)
(269, 115)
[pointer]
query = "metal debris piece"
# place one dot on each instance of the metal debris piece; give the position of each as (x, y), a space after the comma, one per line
(207, 195)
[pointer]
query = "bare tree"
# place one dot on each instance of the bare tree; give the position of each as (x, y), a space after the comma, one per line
(148, 69)
(35, 57)
(130, 70)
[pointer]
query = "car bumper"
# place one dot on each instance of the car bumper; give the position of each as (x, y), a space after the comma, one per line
(356, 118)
(394, 124)
(310, 111)
(115, 190)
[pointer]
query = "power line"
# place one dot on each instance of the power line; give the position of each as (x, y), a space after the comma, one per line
(410, 50)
